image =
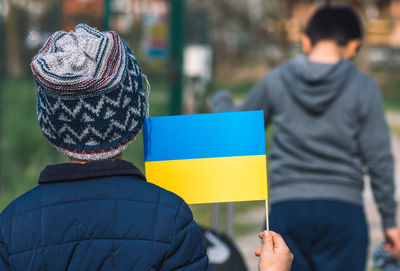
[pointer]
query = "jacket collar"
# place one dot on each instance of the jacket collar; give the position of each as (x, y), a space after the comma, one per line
(75, 172)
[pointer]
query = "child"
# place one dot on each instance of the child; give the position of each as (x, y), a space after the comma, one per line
(329, 130)
(96, 212)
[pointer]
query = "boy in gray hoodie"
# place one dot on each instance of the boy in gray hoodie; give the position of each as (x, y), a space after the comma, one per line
(329, 131)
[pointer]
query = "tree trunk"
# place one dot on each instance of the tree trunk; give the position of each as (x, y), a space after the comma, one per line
(12, 43)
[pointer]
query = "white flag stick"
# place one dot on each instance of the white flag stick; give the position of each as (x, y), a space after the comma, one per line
(266, 215)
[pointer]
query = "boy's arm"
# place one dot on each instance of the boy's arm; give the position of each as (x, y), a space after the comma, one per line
(187, 250)
(257, 100)
(377, 156)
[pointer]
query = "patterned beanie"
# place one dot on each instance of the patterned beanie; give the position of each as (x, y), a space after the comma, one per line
(91, 100)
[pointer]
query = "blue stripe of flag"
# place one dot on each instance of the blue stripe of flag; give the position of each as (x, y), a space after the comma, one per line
(204, 136)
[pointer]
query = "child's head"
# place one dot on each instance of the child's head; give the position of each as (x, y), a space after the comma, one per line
(91, 98)
(338, 24)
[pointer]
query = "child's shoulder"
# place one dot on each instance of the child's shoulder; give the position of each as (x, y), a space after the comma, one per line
(366, 78)
(364, 84)
(24, 203)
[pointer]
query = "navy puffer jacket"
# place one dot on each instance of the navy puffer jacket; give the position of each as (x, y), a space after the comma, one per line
(99, 216)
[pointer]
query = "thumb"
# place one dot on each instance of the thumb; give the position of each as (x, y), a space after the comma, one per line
(258, 251)
(268, 242)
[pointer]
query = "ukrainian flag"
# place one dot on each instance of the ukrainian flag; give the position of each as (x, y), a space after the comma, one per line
(206, 158)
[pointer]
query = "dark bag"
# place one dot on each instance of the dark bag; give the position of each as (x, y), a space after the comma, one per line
(222, 253)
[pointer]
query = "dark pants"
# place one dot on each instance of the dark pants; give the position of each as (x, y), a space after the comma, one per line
(323, 235)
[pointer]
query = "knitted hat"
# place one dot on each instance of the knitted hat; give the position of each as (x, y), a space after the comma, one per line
(91, 101)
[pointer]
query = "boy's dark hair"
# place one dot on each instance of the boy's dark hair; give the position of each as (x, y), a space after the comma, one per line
(338, 23)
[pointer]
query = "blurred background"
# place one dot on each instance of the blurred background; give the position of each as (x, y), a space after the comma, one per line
(188, 49)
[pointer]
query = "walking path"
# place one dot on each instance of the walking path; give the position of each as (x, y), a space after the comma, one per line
(249, 242)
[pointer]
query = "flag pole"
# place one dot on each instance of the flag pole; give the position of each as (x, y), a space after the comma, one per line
(266, 215)
(266, 201)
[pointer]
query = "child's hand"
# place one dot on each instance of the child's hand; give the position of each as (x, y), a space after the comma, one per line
(392, 243)
(274, 253)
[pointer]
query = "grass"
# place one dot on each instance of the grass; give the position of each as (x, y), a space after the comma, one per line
(389, 83)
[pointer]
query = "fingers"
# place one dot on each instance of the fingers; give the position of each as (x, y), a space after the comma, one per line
(395, 253)
(258, 251)
(273, 251)
(268, 241)
(395, 249)
(279, 243)
(272, 240)
(393, 242)
(387, 246)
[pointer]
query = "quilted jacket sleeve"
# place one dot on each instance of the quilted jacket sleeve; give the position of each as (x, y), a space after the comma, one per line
(4, 265)
(187, 250)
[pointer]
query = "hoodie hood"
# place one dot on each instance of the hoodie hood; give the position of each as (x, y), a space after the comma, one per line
(315, 86)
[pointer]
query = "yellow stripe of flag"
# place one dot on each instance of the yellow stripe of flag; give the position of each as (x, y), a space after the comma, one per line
(207, 180)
